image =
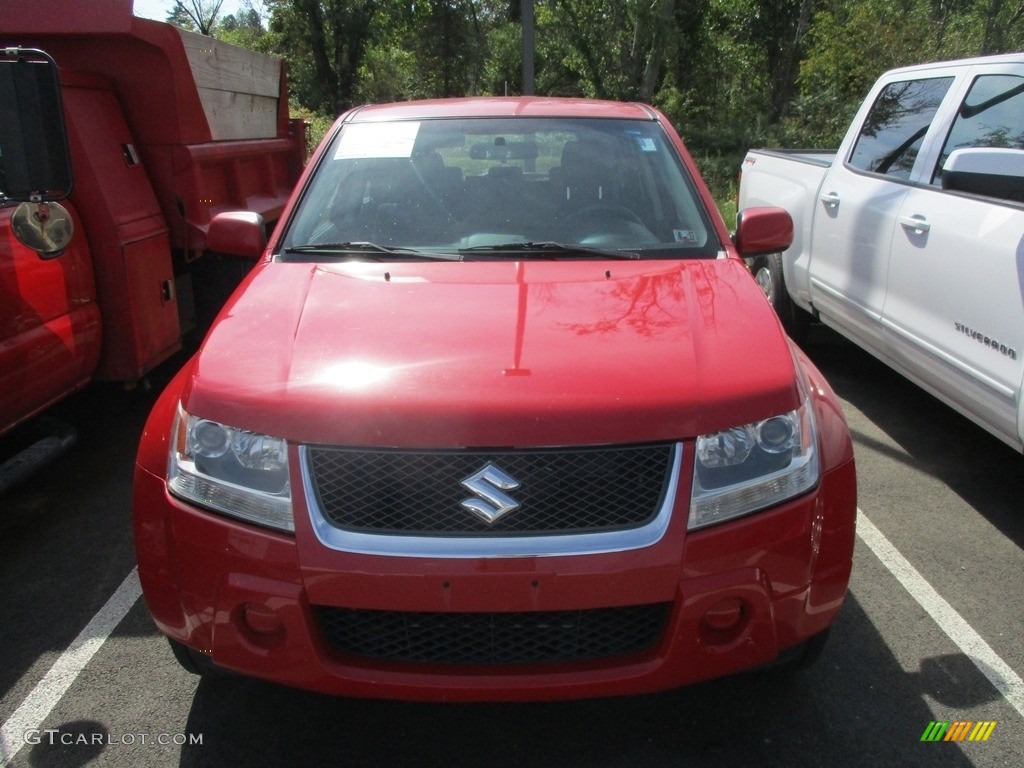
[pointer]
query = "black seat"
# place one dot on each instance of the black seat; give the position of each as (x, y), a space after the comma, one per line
(588, 175)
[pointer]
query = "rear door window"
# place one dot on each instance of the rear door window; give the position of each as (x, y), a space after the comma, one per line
(891, 136)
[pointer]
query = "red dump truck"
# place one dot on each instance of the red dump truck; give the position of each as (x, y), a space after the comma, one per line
(164, 129)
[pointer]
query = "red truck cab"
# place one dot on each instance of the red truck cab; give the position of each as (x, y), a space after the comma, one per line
(165, 129)
(500, 414)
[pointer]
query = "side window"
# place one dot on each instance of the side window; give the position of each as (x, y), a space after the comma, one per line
(992, 115)
(895, 127)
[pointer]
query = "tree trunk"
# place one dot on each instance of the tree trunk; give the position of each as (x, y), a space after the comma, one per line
(653, 67)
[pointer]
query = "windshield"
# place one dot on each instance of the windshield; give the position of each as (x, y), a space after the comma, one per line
(501, 188)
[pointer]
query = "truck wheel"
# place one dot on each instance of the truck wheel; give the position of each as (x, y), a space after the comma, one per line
(768, 273)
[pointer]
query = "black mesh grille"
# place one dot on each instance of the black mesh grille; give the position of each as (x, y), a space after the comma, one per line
(559, 491)
(494, 638)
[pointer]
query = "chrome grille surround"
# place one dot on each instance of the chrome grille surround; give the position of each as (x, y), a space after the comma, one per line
(475, 539)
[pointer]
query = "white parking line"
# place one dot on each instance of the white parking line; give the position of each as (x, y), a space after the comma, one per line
(44, 697)
(998, 672)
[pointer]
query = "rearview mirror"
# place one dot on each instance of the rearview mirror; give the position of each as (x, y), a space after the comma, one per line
(500, 150)
(986, 171)
(35, 164)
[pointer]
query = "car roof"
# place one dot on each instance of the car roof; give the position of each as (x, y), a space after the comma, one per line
(998, 59)
(518, 106)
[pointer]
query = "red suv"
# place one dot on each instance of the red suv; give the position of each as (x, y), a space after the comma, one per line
(498, 414)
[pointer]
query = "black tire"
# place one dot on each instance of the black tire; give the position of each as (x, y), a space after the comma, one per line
(767, 272)
(194, 662)
(800, 657)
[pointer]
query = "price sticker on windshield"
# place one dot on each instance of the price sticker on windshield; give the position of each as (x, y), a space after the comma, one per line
(375, 140)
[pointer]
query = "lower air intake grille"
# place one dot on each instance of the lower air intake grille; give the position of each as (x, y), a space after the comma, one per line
(494, 638)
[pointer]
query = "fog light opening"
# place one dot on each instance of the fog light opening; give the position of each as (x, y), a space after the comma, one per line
(261, 620)
(724, 615)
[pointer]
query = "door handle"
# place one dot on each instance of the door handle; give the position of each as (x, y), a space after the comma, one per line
(918, 223)
(831, 199)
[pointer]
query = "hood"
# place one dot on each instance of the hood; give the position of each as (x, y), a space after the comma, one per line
(494, 354)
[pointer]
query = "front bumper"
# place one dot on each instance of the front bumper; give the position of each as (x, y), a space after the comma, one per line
(735, 595)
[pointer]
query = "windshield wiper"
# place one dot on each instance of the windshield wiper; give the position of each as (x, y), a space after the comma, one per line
(550, 249)
(365, 247)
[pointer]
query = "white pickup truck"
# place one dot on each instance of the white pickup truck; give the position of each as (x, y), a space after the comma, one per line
(909, 240)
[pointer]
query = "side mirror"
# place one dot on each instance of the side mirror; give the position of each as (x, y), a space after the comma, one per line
(763, 230)
(35, 164)
(986, 171)
(238, 233)
(46, 228)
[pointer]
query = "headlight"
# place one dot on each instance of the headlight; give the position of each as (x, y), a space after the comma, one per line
(233, 471)
(754, 466)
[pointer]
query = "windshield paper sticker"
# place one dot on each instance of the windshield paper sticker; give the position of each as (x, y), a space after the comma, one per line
(372, 140)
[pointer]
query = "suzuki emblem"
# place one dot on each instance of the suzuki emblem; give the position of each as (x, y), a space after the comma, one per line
(488, 484)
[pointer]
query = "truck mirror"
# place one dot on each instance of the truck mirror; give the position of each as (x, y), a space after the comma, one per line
(986, 171)
(35, 164)
(763, 230)
(46, 228)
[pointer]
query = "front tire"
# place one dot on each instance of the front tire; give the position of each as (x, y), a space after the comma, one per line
(194, 662)
(799, 657)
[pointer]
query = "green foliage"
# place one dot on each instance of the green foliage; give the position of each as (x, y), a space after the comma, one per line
(503, 70)
(244, 28)
(836, 57)
(179, 17)
(317, 124)
(730, 74)
(388, 73)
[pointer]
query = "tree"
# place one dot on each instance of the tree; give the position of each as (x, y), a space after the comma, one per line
(835, 76)
(324, 43)
(729, 73)
(179, 17)
(600, 49)
(244, 28)
(202, 13)
(448, 45)
(1002, 26)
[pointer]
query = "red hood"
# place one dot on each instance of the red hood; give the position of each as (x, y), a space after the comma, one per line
(494, 353)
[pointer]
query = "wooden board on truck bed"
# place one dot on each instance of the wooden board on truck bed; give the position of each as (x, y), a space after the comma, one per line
(238, 88)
